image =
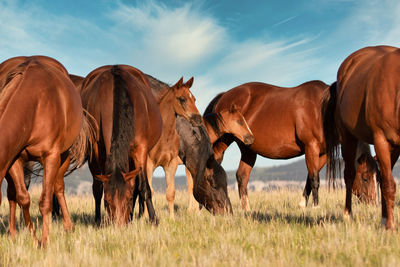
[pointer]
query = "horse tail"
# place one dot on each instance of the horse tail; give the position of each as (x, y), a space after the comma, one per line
(122, 131)
(82, 147)
(211, 106)
(331, 133)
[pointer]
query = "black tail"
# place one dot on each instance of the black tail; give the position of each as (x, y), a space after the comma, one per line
(211, 106)
(331, 134)
(122, 132)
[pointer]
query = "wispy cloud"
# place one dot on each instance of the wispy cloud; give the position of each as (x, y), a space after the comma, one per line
(284, 21)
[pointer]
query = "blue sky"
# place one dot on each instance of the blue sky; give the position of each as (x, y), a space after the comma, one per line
(221, 43)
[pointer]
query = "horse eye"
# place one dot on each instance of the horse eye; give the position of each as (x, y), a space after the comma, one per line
(182, 100)
(365, 180)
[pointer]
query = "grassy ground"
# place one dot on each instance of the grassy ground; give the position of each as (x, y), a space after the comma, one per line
(276, 233)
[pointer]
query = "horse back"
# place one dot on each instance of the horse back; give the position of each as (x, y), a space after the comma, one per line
(367, 92)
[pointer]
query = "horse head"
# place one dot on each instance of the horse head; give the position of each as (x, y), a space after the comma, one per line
(185, 102)
(236, 124)
(365, 182)
(118, 195)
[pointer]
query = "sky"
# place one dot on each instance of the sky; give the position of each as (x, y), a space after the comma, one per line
(221, 44)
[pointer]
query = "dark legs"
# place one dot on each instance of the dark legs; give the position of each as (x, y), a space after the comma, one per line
(314, 164)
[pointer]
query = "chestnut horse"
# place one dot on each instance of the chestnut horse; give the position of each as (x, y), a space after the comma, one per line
(286, 123)
(365, 106)
(38, 97)
(367, 175)
(210, 186)
(146, 124)
(165, 152)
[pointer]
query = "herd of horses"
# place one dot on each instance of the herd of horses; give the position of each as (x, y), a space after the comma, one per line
(126, 123)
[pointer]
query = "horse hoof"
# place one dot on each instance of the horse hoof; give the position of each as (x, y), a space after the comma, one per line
(302, 203)
(347, 216)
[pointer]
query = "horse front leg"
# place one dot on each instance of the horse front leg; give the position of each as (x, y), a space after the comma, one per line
(192, 203)
(170, 171)
(247, 162)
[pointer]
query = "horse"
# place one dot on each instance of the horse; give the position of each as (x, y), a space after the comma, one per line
(165, 152)
(286, 123)
(195, 151)
(141, 136)
(209, 178)
(228, 121)
(364, 106)
(50, 114)
(367, 175)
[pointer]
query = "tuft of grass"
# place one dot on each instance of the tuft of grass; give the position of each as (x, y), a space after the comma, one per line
(276, 232)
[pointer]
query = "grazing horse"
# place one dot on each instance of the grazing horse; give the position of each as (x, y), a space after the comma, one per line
(286, 123)
(38, 97)
(367, 175)
(229, 121)
(365, 106)
(129, 126)
(209, 178)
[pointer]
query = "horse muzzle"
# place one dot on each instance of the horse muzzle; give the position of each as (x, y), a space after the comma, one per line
(248, 139)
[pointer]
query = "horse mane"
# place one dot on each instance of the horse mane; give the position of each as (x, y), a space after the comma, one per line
(159, 88)
(215, 120)
(212, 104)
(122, 131)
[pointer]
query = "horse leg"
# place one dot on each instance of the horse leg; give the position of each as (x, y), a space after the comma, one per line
(140, 160)
(150, 170)
(247, 162)
(388, 186)
(192, 201)
(312, 162)
(16, 173)
(59, 193)
(307, 188)
(349, 149)
(97, 190)
(12, 200)
(220, 146)
(51, 166)
(170, 171)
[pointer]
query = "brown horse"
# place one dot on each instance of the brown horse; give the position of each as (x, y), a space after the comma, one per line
(364, 106)
(38, 97)
(286, 123)
(143, 125)
(165, 152)
(210, 186)
(367, 175)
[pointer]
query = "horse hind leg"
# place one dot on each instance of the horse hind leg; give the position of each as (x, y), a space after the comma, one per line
(313, 167)
(388, 186)
(349, 149)
(247, 162)
(51, 167)
(59, 193)
(16, 181)
(12, 200)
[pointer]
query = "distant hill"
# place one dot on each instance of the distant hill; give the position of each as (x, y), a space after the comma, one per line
(80, 182)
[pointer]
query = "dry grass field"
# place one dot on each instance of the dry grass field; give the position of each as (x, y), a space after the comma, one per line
(275, 233)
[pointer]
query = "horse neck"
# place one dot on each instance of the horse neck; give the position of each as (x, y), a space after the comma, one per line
(166, 106)
(215, 127)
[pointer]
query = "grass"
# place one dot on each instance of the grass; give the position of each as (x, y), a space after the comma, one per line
(275, 233)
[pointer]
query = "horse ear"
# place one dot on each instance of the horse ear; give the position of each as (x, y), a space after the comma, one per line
(130, 175)
(189, 83)
(179, 83)
(105, 178)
